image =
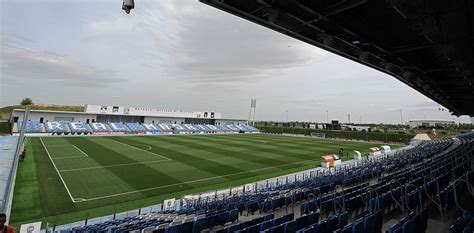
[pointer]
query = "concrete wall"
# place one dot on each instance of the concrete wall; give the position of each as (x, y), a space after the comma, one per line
(151, 112)
(50, 116)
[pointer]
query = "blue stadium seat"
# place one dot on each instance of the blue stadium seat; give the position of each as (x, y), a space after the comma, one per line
(31, 126)
(135, 127)
(56, 127)
(395, 228)
(408, 227)
(321, 227)
(358, 226)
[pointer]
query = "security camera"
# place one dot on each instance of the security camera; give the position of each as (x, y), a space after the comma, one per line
(128, 5)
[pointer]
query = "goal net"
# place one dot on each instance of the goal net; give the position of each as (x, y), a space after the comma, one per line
(318, 135)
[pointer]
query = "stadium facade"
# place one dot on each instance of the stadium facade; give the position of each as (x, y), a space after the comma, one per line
(107, 114)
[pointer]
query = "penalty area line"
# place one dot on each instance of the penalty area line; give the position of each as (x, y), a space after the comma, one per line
(84, 153)
(59, 174)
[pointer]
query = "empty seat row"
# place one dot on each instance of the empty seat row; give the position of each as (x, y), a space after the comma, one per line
(464, 224)
(413, 223)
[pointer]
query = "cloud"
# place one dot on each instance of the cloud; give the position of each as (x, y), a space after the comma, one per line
(197, 43)
(23, 65)
(229, 48)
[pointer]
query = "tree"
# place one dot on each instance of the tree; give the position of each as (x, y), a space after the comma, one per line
(26, 101)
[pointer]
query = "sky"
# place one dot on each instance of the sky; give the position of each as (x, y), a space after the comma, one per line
(185, 55)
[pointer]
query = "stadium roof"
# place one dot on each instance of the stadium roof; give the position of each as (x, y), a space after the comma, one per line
(428, 45)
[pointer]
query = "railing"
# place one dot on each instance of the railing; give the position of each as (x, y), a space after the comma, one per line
(6, 206)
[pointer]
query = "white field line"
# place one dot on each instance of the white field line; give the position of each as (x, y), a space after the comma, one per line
(69, 157)
(191, 181)
(115, 165)
(72, 157)
(149, 152)
(59, 174)
(84, 153)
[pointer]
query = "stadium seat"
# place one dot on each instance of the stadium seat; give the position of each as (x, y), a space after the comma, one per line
(358, 226)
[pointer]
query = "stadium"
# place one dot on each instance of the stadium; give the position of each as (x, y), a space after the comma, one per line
(110, 168)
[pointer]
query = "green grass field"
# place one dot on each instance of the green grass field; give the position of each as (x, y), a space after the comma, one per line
(66, 179)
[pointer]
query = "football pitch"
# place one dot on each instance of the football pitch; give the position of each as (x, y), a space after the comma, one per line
(65, 179)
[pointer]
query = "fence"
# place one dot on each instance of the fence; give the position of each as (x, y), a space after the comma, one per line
(10, 171)
(346, 135)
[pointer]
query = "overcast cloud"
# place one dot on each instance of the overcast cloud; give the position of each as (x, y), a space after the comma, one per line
(184, 55)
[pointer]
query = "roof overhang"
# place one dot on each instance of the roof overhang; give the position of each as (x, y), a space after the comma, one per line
(428, 45)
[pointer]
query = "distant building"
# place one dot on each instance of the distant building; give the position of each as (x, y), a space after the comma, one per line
(430, 123)
(356, 127)
(107, 114)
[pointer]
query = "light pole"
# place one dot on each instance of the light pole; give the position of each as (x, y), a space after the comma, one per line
(401, 116)
(327, 116)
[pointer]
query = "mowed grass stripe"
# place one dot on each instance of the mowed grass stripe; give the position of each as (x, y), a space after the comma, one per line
(278, 149)
(206, 159)
(247, 157)
(197, 152)
(294, 148)
(178, 171)
(316, 150)
(129, 151)
(282, 165)
(308, 142)
(241, 151)
(244, 174)
(316, 144)
(139, 176)
(199, 163)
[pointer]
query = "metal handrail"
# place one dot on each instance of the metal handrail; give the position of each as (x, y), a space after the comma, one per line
(469, 187)
(343, 206)
(377, 198)
(406, 196)
(471, 190)
(455, 193)
(365, 200)
(393, 198)
(320, 195)
(439, 204)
